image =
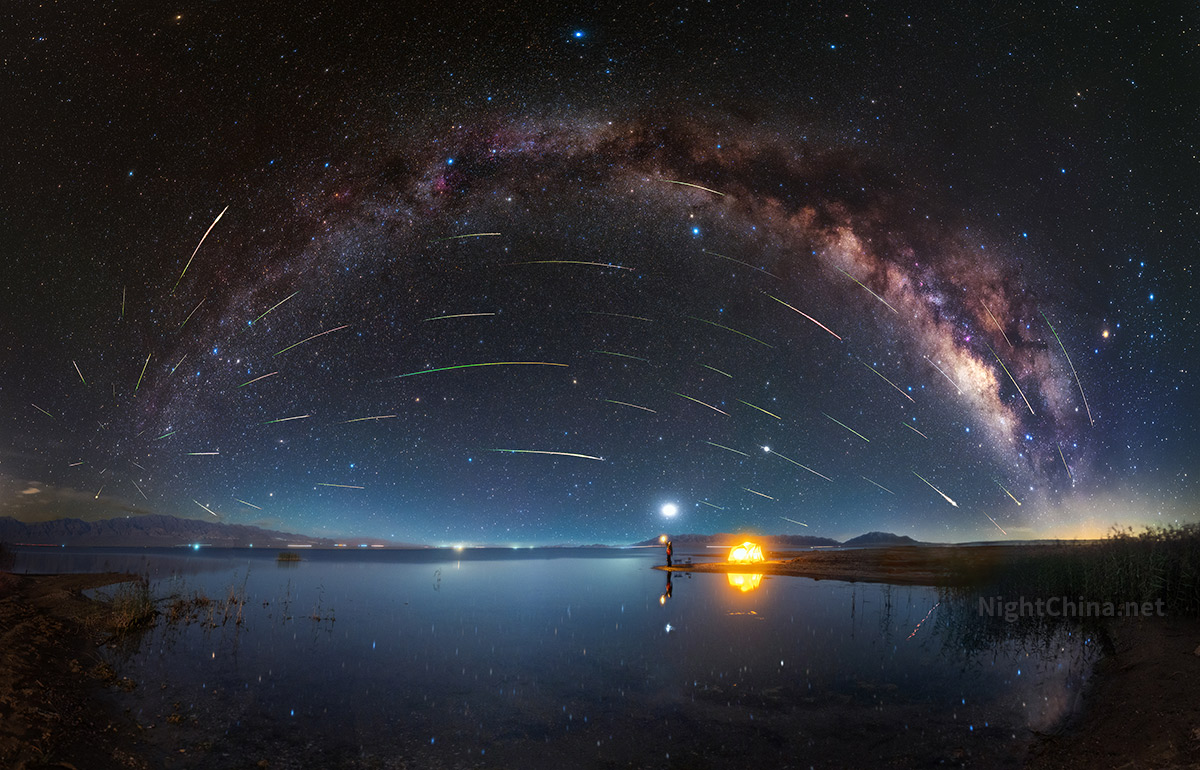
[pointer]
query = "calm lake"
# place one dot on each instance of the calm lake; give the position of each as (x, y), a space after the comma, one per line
(560, 658)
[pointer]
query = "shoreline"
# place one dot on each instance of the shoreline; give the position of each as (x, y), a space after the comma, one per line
(51, 675)
(898, 565)
(1140, 708)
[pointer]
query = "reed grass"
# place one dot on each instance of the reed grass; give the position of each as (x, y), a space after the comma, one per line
(1159, 563)
(132, 607)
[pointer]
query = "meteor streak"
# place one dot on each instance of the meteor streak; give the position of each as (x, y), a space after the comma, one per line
(203, 454)
(78, 372)
(935, 489)
(456, 315)
(322, 334)
(139, 489)
(873, 294)
(740, 262)
(472, 366)
(769, 450)
(785, 518)
(169, 433)
(468, 235)
(727, 449)
(698, 187)
(544, 452)
(571, 262)
(718, 371)
(256, 379)
(277, 304)
(759, 408)
(852, 430)
(1064, 459)
(726, 328)
(122, 302)
(72, 465)
(143, 374)
(205, 507)
(364, 419)
(635, 406)
(198, 245)
(710, 505)
(1077, 382)
(339, 486)
(952, 382)
(176, 366)
(806, 315)
(701, 403)
(619, 315)
(252, 505)
(43, 411)
(914, 430)
(287, 419)
(885, 489)
(98, 491)
(994, 522)
(189, 315)
(889, 382)
(1011, 378)
(1010, 494)
(998, 326)
(760, 494)
(622, 355)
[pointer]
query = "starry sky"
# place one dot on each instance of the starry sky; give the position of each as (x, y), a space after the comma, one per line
(798, 268)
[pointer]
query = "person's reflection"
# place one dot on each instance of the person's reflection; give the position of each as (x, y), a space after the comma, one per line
(666, 591)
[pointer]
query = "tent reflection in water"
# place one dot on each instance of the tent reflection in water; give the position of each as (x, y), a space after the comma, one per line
(746, 553)
(744, 582)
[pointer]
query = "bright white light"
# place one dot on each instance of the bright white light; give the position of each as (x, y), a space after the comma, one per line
(767, 449)
(670, 509)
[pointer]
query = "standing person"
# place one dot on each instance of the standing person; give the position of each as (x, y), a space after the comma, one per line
(669, 552)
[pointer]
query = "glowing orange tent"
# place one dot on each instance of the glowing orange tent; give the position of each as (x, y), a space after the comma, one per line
(746, 553)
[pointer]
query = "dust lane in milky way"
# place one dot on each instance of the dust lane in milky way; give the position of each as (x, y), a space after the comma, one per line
(665, 240)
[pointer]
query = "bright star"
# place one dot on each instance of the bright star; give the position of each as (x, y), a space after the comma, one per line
(670, 509)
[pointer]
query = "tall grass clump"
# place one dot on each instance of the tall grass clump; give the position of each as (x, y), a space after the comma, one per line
(131, 606)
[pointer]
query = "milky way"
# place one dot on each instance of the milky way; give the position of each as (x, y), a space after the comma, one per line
(540, 325)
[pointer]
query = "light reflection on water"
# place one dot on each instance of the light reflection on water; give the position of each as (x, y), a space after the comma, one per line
(589, 658)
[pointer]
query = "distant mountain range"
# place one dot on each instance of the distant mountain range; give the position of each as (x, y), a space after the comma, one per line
(156, 530)
(790, 541)
(165, 531)
(881, 538)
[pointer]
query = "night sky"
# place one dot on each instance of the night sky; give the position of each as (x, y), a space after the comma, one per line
(793, 268)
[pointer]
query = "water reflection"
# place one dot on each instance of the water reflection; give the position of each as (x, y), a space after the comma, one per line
(468, 660)
(744, 582)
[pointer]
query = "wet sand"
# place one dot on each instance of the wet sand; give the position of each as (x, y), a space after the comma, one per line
(51, 673)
